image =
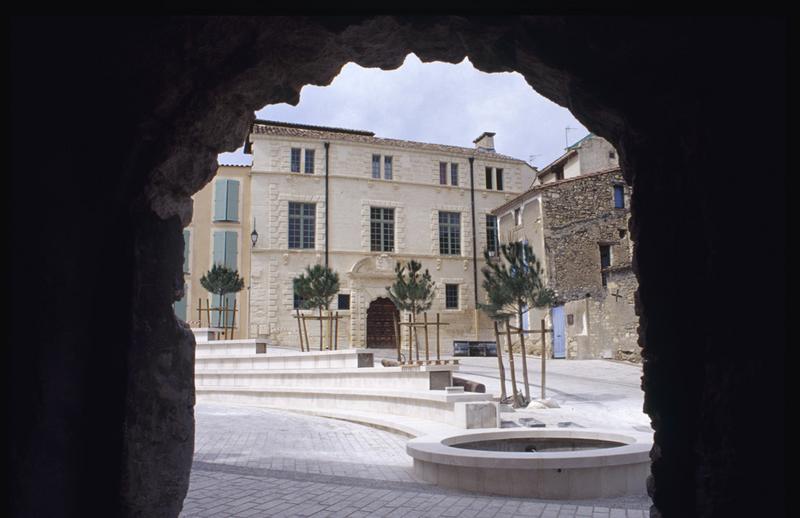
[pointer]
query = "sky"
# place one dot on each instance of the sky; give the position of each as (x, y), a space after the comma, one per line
(439, 103)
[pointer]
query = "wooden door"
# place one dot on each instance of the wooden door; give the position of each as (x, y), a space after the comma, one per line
(380, 324)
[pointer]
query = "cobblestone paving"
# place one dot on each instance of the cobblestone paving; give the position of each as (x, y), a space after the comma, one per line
(260, 462)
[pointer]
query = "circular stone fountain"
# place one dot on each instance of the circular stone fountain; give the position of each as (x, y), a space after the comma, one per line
(551, 464)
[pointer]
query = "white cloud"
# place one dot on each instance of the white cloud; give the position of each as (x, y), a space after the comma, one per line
(434, 102)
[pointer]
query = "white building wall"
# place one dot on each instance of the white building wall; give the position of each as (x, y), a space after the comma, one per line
(417, 197)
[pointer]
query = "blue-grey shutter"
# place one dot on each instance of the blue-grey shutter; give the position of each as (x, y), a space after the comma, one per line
(186, 238)
(180, 305)
(231, 250)
(219, 247)
(232, 209)
(220, 199)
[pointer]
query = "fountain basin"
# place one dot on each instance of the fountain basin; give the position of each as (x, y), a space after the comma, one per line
(568, 464)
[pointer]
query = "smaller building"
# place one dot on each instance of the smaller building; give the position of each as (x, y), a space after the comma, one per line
(588, 155)
(219, 233)
(577, 227)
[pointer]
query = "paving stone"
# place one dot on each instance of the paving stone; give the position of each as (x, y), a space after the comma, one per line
(262, 462)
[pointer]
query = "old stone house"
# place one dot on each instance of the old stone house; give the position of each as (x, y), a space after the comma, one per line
(576, 222)
(360, 203)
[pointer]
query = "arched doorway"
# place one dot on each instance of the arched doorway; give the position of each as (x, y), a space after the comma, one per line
(381, 316)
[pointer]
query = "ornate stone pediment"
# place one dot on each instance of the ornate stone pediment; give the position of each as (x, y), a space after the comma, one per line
(373, 267)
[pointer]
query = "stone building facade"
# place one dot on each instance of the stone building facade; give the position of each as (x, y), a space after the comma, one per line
(359, 204)
(578, 229)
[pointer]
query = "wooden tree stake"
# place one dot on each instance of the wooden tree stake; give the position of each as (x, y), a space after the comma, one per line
(500, 366)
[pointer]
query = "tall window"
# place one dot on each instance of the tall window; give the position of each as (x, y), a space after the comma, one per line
(443, 173)
(499, 179)
(387, 168)
(295, 159)
(491, 234)
(605, 262)
(517, 217)
(309, 169)
(376, 166)
(381, 229)
(453, 174)
(451, 296)
(301, 225)
(450, 233)
(226, 200)
(619, 197)
(488, 177)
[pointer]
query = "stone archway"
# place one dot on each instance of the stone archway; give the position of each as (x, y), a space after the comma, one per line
(669, 94)
(381, 316)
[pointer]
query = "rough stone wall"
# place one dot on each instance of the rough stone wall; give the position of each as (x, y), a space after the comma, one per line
(152, 102)
(579, 215)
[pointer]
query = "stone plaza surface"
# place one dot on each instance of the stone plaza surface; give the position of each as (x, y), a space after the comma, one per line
(253, 461)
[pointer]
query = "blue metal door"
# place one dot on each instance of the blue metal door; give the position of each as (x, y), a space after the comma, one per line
(559, 334)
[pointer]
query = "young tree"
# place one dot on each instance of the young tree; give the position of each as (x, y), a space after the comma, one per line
(513, 287)
(412, 291)
(221, 280)
(317, 287)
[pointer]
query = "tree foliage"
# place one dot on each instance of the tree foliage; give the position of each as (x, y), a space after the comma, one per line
(412, 291)
(222, 280)
(514, 284)
(316, 287)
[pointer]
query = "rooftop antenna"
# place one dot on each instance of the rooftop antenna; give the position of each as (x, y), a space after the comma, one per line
(532, 157)
(566, 135)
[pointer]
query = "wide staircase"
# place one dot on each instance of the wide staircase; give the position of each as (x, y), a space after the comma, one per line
(348, 384)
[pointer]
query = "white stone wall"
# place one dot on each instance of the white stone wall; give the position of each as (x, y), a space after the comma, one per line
(416, 197)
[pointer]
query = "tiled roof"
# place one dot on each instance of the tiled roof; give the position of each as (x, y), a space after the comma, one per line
(282, 129)
(539, 188)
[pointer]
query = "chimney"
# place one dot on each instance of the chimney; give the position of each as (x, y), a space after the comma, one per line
(485, 141)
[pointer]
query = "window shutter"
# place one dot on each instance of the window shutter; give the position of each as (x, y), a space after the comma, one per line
(220, 199)
(219, 247)
(231, 250)
(232, 198)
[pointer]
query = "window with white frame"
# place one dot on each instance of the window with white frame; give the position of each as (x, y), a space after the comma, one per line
(450, 233)
(381, 222)
(302, 220)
